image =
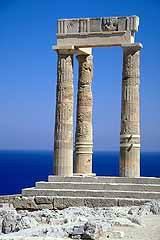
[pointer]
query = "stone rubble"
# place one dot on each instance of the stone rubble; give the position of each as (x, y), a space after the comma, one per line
(73, 223)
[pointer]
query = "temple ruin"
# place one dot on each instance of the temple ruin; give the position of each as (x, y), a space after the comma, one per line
(80, 187)
(79, 36)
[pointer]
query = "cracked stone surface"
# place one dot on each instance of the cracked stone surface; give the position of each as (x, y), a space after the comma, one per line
(82, 223)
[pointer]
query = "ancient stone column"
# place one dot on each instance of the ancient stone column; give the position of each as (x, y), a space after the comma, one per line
(63, 136)
(83, 140)
(130, 113)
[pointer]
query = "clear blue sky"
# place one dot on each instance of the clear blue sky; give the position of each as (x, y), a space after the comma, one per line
(28, 72)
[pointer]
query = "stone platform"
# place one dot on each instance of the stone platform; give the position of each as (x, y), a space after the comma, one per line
(61, 192)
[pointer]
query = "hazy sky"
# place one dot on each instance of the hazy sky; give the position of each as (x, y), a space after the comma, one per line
(28, 72)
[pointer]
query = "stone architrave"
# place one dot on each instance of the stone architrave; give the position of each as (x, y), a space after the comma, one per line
(63, 140)
(130, 113)
(83, 140)
(97, 32)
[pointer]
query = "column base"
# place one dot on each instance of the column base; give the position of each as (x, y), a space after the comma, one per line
(130, 162)
(85, 174)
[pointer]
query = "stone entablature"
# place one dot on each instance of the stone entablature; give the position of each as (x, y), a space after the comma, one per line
(97, 25)
(96, 32)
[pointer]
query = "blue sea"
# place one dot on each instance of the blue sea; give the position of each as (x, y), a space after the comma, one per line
(20, 169)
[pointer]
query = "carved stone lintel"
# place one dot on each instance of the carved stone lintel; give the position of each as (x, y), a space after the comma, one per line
(89, 25)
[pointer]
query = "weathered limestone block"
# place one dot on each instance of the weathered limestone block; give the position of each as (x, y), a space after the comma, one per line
(84, 141)
(73, 202)
(33, 203)
(138, 202)
(58, 203)
(24, 203)
(8, 198)
(130, 113)
(43, 199)
(63, 140)
(100, 202)
(45, 206)
(125, 202)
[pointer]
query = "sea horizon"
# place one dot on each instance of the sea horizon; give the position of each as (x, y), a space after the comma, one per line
(22, 168)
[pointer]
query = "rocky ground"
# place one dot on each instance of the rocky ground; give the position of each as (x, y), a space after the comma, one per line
(136, 223)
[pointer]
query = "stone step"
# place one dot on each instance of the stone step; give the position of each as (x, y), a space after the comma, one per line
(104, 179)
(63, 202)
(60, 202)
(99, 186)
(90, 193)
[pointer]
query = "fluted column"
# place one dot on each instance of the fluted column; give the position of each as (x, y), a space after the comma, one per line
(63, 140)
(130, 113)
(83, 141)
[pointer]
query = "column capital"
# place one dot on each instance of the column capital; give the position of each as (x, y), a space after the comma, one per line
(84, 51)
(84, 57)
(71, 49)
(132, 47)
